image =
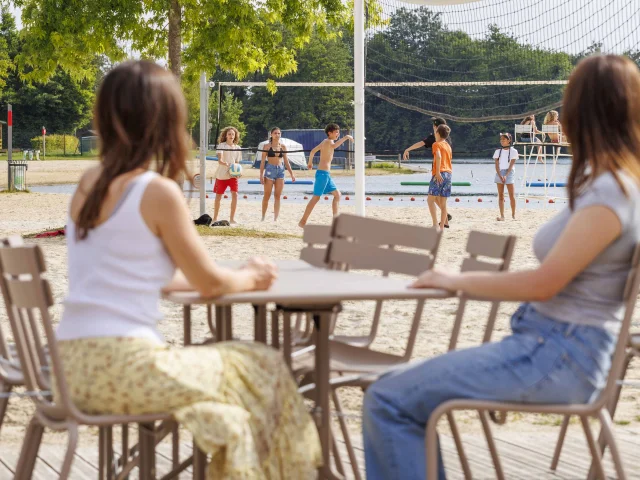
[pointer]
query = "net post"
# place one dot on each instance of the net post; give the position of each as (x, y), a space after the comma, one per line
(204, 104)
(358, 97)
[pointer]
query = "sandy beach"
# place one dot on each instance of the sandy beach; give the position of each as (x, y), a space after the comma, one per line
(30, 213)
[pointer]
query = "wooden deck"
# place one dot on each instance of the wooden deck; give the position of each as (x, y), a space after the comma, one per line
(525, 456)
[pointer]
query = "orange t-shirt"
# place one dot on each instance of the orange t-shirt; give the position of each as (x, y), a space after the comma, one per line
(445, 153)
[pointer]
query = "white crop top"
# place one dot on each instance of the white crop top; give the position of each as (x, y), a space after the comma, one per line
(116, 274)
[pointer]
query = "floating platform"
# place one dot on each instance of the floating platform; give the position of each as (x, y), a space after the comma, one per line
(426, 184)
(548, 184)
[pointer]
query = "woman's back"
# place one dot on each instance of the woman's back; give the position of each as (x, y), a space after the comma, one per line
(116, 273)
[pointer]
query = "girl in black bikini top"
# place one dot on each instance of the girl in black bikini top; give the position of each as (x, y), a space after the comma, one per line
(272, 154)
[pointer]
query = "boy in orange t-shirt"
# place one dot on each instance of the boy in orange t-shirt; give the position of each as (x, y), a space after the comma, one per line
(440, 184)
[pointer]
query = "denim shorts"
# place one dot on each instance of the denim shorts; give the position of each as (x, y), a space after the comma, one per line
(511, 178)
(441, 189)
(274, 172)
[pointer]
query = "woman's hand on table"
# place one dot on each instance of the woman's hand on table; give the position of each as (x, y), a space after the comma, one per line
(435, 279)
(263, 272)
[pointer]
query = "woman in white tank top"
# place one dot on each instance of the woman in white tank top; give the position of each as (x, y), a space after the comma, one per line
(129, 228)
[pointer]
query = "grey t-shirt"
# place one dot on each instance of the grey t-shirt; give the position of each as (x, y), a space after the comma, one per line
(594, 296)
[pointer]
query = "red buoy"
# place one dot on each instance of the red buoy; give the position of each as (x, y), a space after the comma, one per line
(413, 199)
(368, 198)
(391, 199)
(551, 200)
(457, 199)
(206, 196)
(346, 198)
(285, 197)
(326, 198)
(480, 200)
(226, 196)
(306, 198)
(527, 200)
(244, 196)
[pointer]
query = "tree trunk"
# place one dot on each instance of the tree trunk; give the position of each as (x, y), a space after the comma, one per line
(175, 37)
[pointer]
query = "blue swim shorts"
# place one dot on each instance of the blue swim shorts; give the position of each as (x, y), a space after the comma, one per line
(323, 184)
(273, 172)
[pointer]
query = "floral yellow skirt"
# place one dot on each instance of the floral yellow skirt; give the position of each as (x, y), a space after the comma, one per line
(237, 399)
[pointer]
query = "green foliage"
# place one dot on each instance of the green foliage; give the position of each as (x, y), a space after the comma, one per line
(61, 105)
(56, 144)
(320, 61)
(238, 37)
(230, 115)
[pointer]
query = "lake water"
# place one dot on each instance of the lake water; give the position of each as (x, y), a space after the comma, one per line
(381, 187)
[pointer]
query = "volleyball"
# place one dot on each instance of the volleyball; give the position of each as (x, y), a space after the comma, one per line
(235, 170)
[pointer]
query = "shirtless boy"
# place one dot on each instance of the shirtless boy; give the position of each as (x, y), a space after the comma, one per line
(324, 183)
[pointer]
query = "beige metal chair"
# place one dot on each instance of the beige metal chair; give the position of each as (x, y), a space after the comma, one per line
(28, 297)
(486, 252)
(10, 370)
(599, 409)
(632, 351)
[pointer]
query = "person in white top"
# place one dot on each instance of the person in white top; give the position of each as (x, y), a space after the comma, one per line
(228, 152)
(505, 158)
(130, 236)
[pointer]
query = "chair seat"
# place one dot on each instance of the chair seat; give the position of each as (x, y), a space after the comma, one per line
(348, 359)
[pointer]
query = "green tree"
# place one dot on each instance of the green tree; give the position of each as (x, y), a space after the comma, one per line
(236, 36)
(305, 107)
(230, 115)
(61, 105)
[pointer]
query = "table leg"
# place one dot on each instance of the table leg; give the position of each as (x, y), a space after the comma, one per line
(220, 324)
(323, 390)
(212, 327)
(275, 329)
(286, 337)
(187, 324)
(260, 323)
(228, 323)
(199, 463)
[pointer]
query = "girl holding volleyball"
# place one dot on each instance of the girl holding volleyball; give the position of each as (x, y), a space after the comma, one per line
(228, 153)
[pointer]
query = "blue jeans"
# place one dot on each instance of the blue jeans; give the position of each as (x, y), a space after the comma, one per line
(543, 361)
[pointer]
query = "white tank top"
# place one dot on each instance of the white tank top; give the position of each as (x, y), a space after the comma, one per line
(116, 274)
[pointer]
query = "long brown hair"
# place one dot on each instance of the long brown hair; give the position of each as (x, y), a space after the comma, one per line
(140, 115)
(600, 118)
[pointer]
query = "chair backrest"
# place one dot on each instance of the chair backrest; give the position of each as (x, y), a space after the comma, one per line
(551, 129)
(6, 354)
(28, 296)
(524, 129)
(370, 244)
(630, 296)
(488, 252)
(317, 238)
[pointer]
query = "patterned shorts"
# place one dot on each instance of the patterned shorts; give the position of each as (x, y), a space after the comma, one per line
(252, 424)
(441, 189)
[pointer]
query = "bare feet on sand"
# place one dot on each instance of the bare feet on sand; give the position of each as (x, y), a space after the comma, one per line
(301, 224)
(500, 219)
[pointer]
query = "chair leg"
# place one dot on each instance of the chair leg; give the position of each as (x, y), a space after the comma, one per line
(275, 329)
(484, 418)
(346, 436)
(65, 471)
(596, 457)
(101, 453)
(607, 430)
(108, 452)
(5, 389)
(455, 433)
(175, 444)
(146, 440)
(336, 454)
(431, 447)
(29, 451)
(199, 463)
(560, 442)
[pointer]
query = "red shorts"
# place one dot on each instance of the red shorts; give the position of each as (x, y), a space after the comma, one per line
(221, 185)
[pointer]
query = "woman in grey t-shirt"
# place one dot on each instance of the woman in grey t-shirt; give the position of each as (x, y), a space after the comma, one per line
(565, 332)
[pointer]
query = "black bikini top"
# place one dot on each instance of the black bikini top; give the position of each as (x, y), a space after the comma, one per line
(272, 154)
